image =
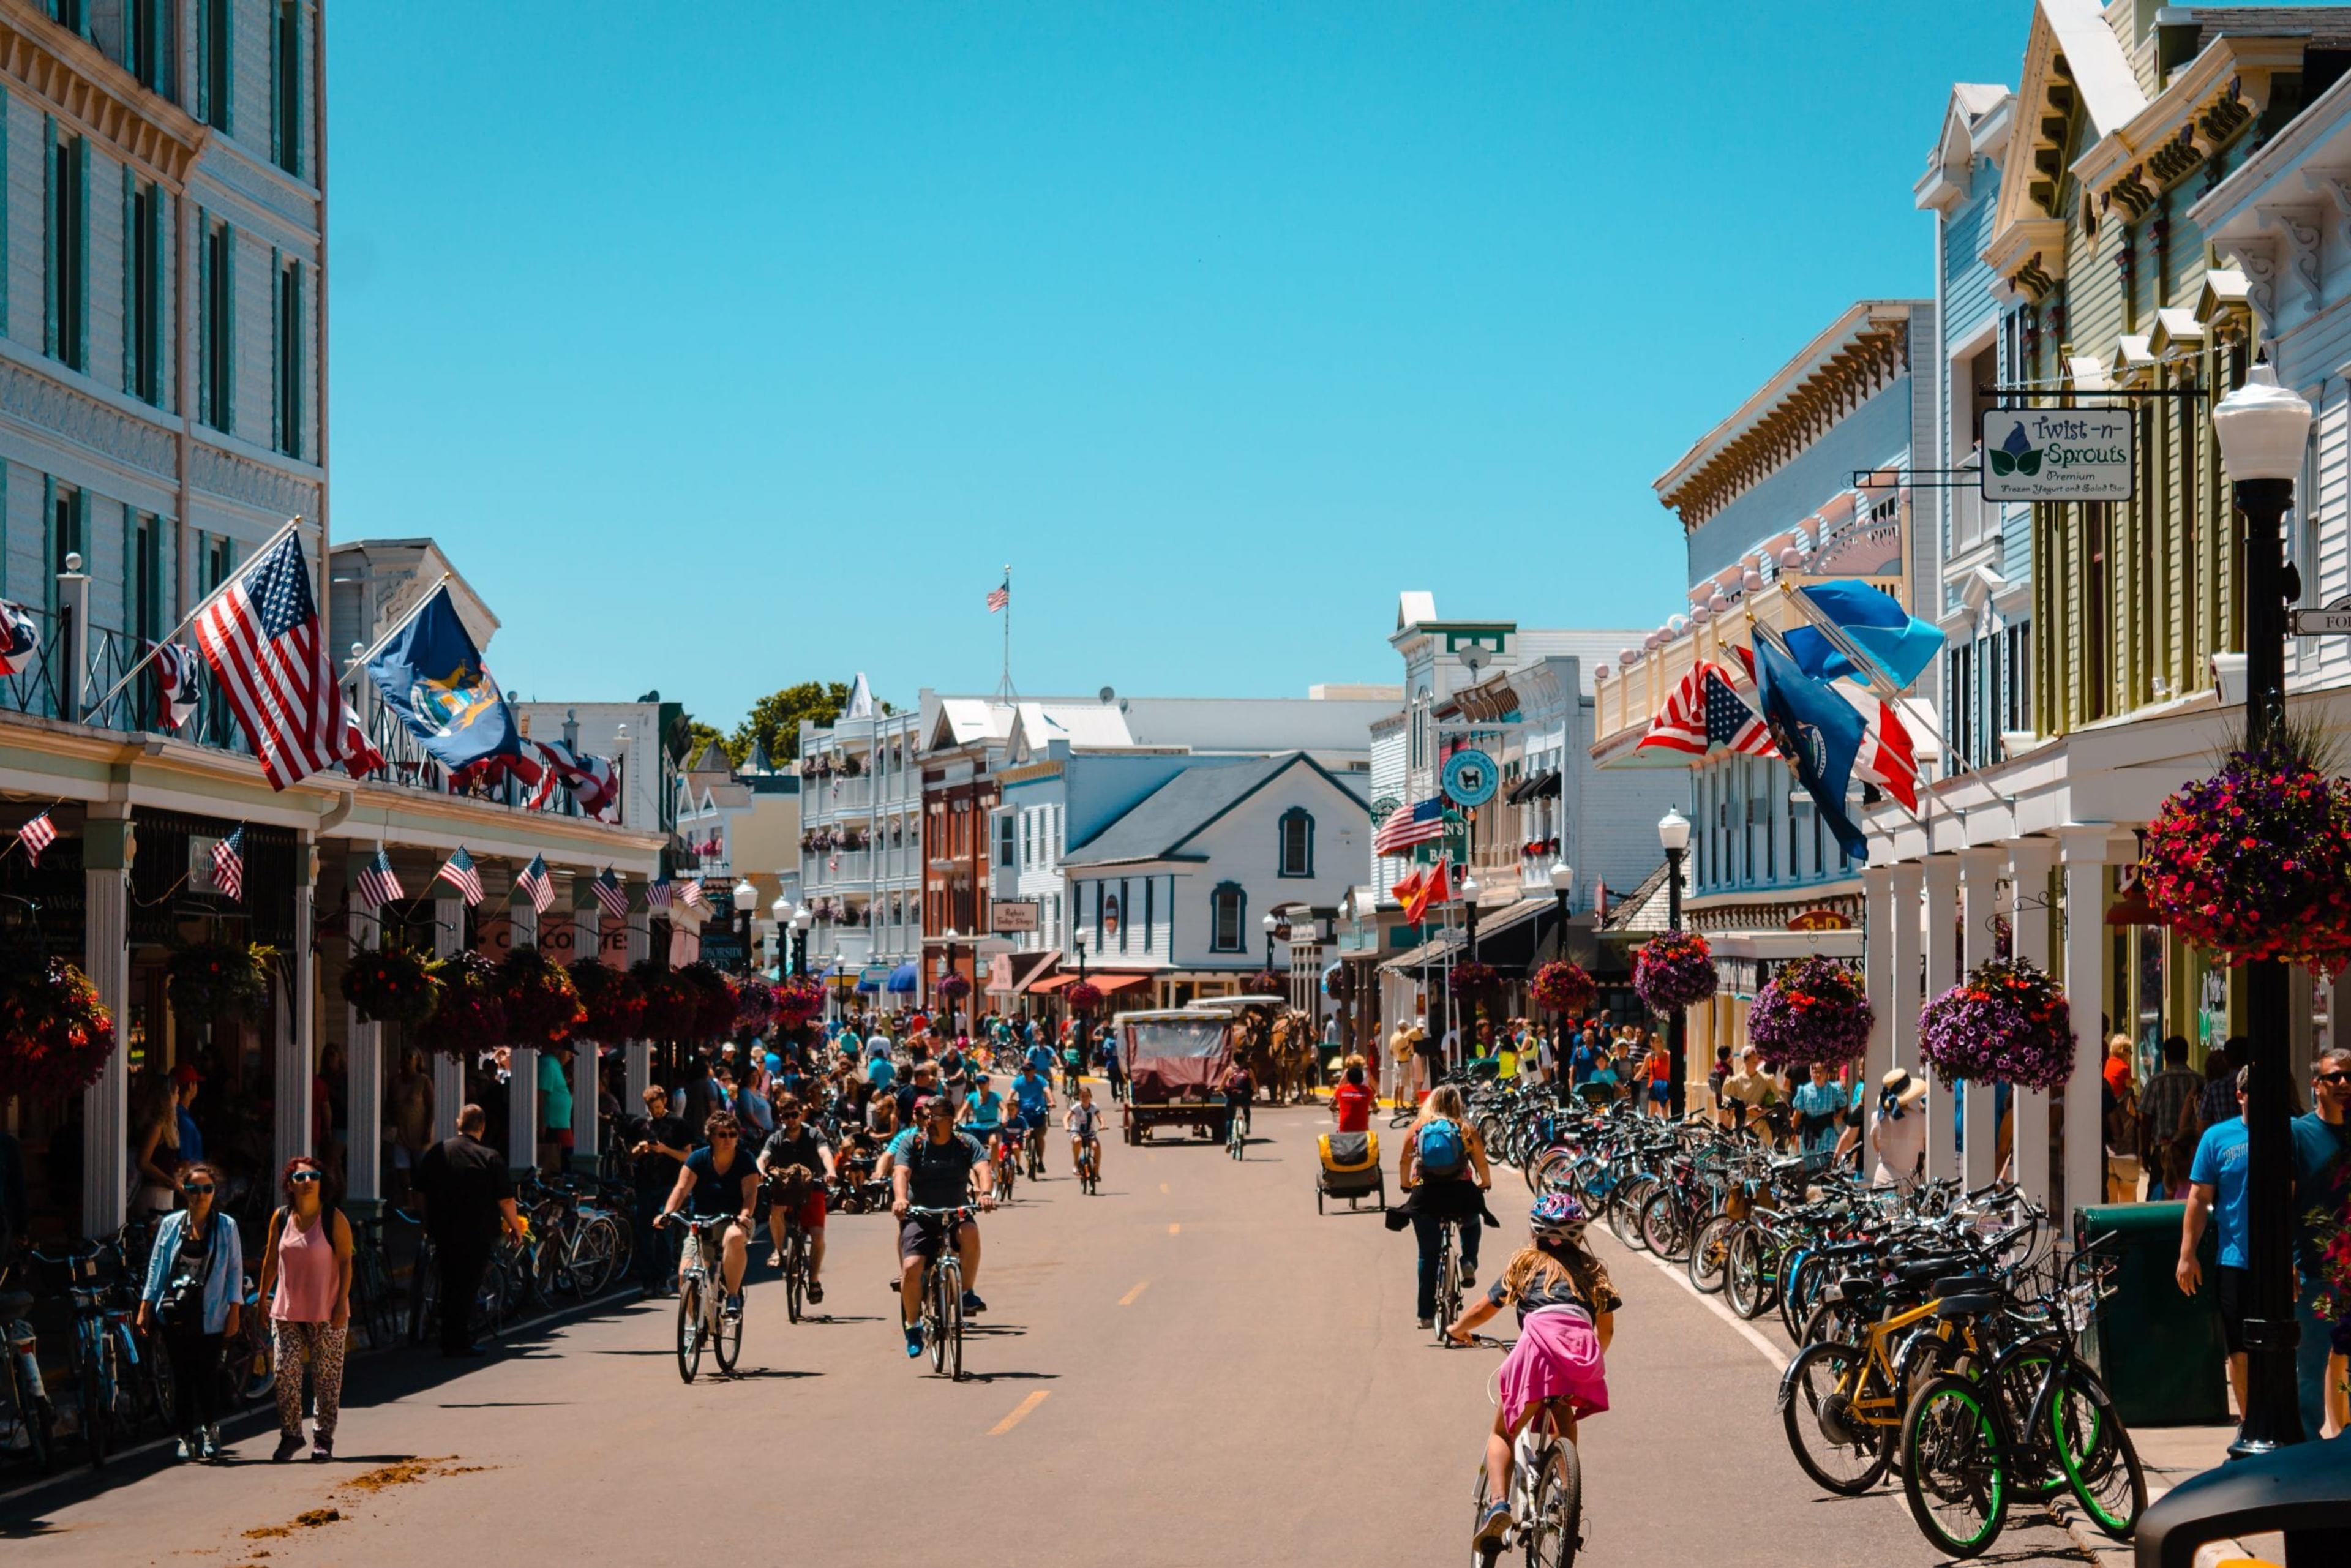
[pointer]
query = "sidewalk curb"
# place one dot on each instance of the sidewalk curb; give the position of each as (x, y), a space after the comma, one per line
(2107, 1552)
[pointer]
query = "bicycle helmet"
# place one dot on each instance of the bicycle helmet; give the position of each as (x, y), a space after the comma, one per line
(979, 1079)
(1557, 1217)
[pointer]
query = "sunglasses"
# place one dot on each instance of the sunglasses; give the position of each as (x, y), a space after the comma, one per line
(304, 1176)
(197, 1188)
(723, 1137)
(2331, 1077)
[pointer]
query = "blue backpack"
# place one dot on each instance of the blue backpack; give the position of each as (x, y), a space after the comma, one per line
(1441, 1148)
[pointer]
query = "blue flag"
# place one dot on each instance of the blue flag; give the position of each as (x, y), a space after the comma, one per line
(1898, 643)
(1818, 731)
(433, 677)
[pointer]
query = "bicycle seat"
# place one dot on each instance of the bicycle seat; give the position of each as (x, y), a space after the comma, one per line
(1973, 1305)
(14, 1303)
(1966, 1285)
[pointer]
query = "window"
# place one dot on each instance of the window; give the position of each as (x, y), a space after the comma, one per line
(68, 248)
(286, 88)
(1007, 827)
(146, 576)
(1116, 916)
(67, 534)
(1297, 842)
(216, 290)
(287, 359)
(147, 39)
(1228, 906)
(213, 63)
(143, 289)
(1149, 910)
(1027, 837)
(73, 14)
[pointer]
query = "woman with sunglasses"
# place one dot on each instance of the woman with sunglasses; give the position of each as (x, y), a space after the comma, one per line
(195, 1289)
(306, 1273)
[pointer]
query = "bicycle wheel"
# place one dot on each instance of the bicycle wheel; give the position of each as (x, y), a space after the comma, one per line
(34, 1416)
(1448, 1286)
(1709, 1254)
(2096, 1451)
(1661, 1225)
(954, 1327)
(689, 1328)
(1625, 1209)
(795, 1275)
(934, 1315)
(1953, 1472)
(158, 1390)
(727, 1339)
(424, 1297)
(1802, 1288)
(592, 1252)
(1742, 1275)
(1555, 1533)
(94, 1396)
(1839, 1417)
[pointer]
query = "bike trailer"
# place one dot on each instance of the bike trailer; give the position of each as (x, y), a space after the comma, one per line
(1350, 1168)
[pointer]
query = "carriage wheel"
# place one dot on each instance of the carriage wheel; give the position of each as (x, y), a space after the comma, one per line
(1318, 1200)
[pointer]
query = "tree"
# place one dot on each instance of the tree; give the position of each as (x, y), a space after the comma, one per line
(699, 735)
(775, 721)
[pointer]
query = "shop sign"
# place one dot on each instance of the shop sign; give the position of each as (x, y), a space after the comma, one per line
(1820, 920)
(2059, 454)
(1005, 915)
(1471, 779)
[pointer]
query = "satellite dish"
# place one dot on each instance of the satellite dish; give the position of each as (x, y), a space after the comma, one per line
(1473, 657)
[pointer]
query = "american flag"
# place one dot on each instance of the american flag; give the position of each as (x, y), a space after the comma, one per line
(534, 882)
(262, 637)
(1405, 829)
(175, 685)
(1703, 711)
(19, 638)
(228, 865)
(36, 836)
(689, 894)
(611, 895)
(359, 753)
(657, 895)
(459, 873)
(379, 884)
(998, 598)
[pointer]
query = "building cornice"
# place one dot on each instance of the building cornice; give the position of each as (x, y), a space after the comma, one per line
(2202, 109)
(72, 75)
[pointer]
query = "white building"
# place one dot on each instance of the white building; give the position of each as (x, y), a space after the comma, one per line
(860, 867)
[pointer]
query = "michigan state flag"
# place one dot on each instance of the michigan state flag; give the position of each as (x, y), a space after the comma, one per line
(433, 677)
(1818, 732)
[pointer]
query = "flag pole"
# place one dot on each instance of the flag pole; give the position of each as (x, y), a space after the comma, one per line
(1004, 684)
(202, 605)
(398, 626)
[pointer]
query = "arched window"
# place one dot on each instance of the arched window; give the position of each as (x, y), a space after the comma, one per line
(1297, 842)
(1227, 919)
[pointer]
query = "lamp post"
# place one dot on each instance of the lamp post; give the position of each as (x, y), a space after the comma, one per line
(1470, 889)
(1563, 891)
(1673, 836)
(747, 899)
(802, 918)
(1078, 941)
(948, 938)
(1270, 925)
(2264, 431)
(780, 912)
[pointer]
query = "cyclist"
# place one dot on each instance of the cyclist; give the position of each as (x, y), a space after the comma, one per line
(795, 1142)
(1084, 1123)
(1037, 1058)
(936, 1168)
(1443, 1170)
(1240, 1093)
(1073, 1065)
(983, 1112)
(1567, 1314)
(718, 1181)
(1032, 1099)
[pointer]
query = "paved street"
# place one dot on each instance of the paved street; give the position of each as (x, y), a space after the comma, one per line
(1193, 1368)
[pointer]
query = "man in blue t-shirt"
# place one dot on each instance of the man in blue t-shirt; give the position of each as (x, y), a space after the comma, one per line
(2217, 1190)
(1032, 1105)
(2322, 1178)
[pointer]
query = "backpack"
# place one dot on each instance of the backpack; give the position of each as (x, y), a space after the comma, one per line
(1442, 1151)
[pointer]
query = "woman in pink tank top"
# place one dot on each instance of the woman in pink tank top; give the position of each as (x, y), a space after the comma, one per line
(305, 1273)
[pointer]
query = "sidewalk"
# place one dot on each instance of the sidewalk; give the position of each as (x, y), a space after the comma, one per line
(2170, 1454)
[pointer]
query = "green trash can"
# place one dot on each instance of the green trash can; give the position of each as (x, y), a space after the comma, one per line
(2160, 1353)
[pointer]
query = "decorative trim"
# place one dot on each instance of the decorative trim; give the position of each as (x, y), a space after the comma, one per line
(75, 76)
(2300, 232)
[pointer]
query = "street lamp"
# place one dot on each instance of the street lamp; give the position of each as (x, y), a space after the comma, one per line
(747, 899)
(1270, 923)
(1673, 836)
(802, 918)
(2264, 431)
(1563, 887)
(949, 937)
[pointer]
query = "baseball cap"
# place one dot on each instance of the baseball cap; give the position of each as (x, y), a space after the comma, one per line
(185, 1073)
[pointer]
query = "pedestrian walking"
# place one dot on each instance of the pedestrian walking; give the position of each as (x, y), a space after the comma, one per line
(2321, 1151)
(155, 1149)
(305, 1277)
(2217, 1194)
(1897, 1131)
(654, 1159)
(195, 1294)
(2166, 1129)
(468, 1195)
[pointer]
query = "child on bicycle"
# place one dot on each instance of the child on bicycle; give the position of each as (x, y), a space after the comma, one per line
(1567, 1314)
(1084, 1123)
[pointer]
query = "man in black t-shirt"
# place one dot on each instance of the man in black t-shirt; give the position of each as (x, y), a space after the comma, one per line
(796, 1143)
(660, 1149)
(935, 1167)
(468, 1193)
(719, 1181)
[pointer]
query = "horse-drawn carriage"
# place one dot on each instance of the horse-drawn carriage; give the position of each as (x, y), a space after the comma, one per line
(1273, 1040)
(1175, 1065)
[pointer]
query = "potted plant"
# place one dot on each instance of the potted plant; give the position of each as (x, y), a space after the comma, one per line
(54, 1034)
(470, 1018)
(1084, 996)
(542, 1004)
(1562, 987)
(1813, 1011)
(714, 1002)
(391, 985)
(954, 987)
(613, 1001)
(1675, 969)
(2006, 1023)
(671, 1003)
(1267, 983)
(216, 979)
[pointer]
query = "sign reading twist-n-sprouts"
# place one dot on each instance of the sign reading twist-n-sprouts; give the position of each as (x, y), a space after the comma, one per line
(2058, 455)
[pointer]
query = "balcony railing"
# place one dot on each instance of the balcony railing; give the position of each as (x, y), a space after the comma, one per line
(1627, 699)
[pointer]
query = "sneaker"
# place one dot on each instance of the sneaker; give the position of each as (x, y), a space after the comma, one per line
(816, 1293)
(184, 1449)
(322, 1450)
(734, 1307)
(288, 1445)
(209, 1448)
(774, 1258)
(914, 1339)
(1492, 1528)
(1468, 1275)
(1428, 1322)
(972, 1304)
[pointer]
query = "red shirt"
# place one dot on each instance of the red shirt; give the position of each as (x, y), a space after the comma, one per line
(1351, 1104)
(2118, 1075)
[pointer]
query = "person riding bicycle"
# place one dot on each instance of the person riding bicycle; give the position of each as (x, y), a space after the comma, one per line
(983, 1111)
(1032, 1102)
(718, 1181)
(1073, 1066)
(1084, 1124)
(936, 1168)
(1039, 1058)
(797, 1144)
(1567, 1314)
(1240, 1093)
(1443, 1173)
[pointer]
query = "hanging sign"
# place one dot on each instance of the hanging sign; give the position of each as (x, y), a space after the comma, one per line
(2059, 454)
(1471, 779)
(2335, 621)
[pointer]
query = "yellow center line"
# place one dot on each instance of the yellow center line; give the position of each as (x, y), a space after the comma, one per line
(1175, 1230)
(1020, 1413)
(1129, 1299)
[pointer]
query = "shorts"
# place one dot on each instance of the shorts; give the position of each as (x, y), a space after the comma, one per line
(1660, 1092)
(922, 1235)
(559, 1136)
(2232, 1285)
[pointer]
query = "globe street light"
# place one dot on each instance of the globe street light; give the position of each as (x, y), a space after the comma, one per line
(948, 938)
(1673, 836)
(802, 918)
(2264, 432)
(780, 912)
(1270, 923)
(747, 899)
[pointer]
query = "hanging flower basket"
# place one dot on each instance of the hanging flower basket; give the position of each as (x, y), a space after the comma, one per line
(1813, 1011)
(714, 1004)
(55, 1035)
(390, 986)
(2332, 1232)
(1472, 979)
(1084, 996)
(2255, 862)
(1674, 970)
(799, 999)
(614, 1003)
(954, 987)
(1562, 987)
(1267, 983)
(1339, 985)
(755, 1006)
(2005, 1023)
(671, 1003)
(542, 1005)
(470, 1020)
(219, 980)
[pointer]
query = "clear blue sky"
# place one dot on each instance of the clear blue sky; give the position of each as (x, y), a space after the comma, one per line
(729, 349)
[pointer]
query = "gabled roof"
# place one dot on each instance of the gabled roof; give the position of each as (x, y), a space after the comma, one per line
(964, 720)
(1159, 826)
(1039, 725)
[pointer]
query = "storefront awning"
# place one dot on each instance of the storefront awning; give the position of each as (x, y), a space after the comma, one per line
(1108, 983)
(1100, 981)
(1543, 783)
(1009, 974)
(905, 978)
